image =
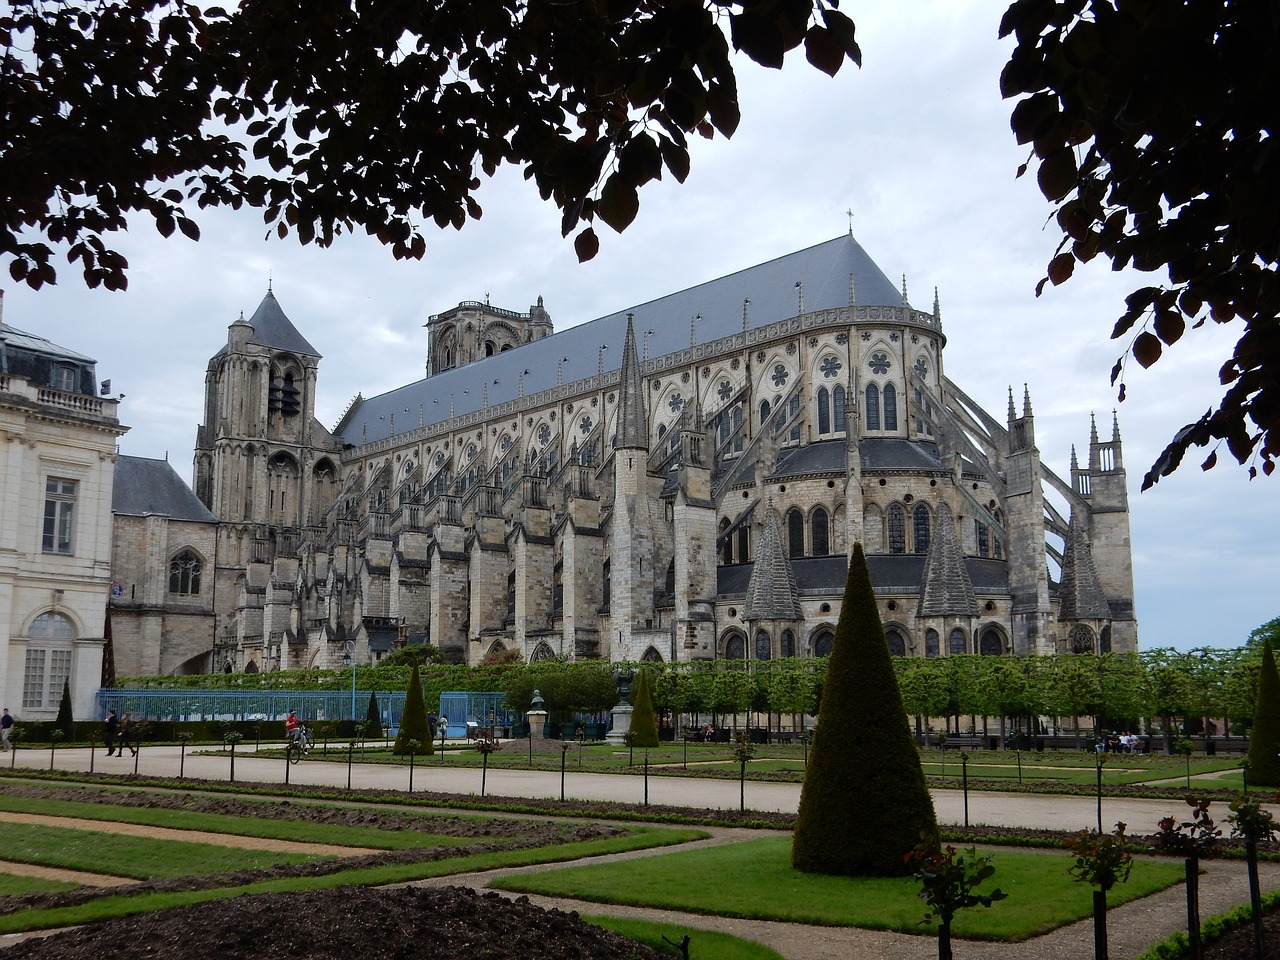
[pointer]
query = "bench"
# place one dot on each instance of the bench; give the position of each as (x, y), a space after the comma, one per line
(963, 741)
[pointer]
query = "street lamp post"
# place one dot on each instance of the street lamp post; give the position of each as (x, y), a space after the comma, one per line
(349, 660)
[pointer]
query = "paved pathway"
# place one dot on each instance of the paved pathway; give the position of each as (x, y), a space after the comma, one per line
(1132, 928)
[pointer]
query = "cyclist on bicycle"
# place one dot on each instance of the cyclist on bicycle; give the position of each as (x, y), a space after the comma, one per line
(294, 729)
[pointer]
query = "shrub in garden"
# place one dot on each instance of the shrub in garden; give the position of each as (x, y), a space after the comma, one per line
(413, 724)
(864, 804)
(644, 723)
(64, 722)
(1264, 741)
(373, 718)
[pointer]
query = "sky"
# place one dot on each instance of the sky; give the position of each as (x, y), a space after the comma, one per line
(912, 152)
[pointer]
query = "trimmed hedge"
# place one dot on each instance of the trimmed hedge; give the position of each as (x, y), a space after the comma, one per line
(1264, 744)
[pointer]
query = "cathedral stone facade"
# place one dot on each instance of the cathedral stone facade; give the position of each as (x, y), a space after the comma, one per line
(678, 481)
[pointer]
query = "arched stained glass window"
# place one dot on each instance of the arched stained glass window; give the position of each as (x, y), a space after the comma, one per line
(838, 402)
(824, 411)
(795, 533)
(920, 528)
(821, 544)
(735, 647)
(897, 529)
(822, 643)
(931, 643)
(890, 407)
(764, 645)
(991, 644)
(184, 573)
(872, 413)
(787, 644)
(956, 642)
(897, 646)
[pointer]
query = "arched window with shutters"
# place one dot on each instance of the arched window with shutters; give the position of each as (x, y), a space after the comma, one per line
(795, 533)
(821, 541)
(890, 407)
(956, 642)
(872, 413)
(897, 518)
(920, 528)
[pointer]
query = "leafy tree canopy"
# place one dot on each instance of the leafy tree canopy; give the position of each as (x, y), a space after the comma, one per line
(379, 115)
(1152, 125)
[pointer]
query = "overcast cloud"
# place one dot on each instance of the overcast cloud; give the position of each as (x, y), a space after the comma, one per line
(916, 144)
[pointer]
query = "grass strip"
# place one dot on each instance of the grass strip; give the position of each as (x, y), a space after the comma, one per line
(727, 880)
(15, 885)
(110, 907)
(140, 858)
(299, 831)
(703, 944)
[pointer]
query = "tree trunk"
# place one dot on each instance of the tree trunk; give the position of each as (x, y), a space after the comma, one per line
(1099, 925)
(944, 940)
(1255, 896)
(1193, 908)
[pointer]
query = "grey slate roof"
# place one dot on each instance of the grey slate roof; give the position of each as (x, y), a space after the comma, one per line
(772, 592)
(143, 486)
(890, 573)
(13, 338)
(946, 589)
(1081, 589)
(895, 453)
(827, 456)
(272, 328)
(823, 269)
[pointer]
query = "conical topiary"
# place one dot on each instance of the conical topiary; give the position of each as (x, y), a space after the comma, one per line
(413, 723)
(65, 722)
(644, 724)
(864, 802)
(373, 718)
(1264, 738)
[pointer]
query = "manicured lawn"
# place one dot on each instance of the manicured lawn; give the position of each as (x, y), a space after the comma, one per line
(15, 886)
(754, 879)
(116, 855)
(703, 944)
(300, 831)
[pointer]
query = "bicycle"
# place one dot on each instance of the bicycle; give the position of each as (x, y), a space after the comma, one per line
(300, 744)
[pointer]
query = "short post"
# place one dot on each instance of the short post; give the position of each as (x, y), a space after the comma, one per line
(413, 746)
(54, 737)
(564, 756)
(646, 778)
(964, 784)
(183, 739)
(351, 751)
(1100, 759)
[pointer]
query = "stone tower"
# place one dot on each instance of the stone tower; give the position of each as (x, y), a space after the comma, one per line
(1028, 557)
(472, 331)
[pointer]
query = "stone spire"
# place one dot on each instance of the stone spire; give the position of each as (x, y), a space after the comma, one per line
(1081, 590)
(633, 425)
(772, 593)
(947, 590)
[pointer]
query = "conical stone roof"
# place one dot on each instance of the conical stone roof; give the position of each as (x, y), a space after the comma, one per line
(772, 593)
(1081, 591)
(946, 590)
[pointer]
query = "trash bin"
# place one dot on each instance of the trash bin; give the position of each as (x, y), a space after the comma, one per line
(1211, 748)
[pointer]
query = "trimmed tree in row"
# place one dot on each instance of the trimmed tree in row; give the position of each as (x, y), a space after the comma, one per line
(864, 758)
(644, 723)
(413, 723)
(1264, 746)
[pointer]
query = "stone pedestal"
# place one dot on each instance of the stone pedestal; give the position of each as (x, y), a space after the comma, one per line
(621, 724)
(537, 723)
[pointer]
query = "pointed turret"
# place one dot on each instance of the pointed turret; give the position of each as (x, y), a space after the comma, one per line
(1081, 590)
(271, 328)
(946, 590)
(772, 593)
(633, 425)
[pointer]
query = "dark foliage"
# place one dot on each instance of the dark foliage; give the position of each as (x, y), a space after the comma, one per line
(373, 718)
(413, 723)
(644, 723)
(1264, 743)
(65, 723)
(332, 117)
(864, 804)
(1153, 124)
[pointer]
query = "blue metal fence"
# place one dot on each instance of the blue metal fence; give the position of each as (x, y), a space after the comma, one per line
(462, 708)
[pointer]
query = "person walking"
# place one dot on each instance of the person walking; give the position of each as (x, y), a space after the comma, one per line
(6, 724)
(110, 730)
(126, 735)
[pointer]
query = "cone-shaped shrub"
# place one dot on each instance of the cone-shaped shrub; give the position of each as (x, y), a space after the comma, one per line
(65, 723)
(864, 801)
(644, 724)
(413, 724)
(1264, 739)
(373, 718)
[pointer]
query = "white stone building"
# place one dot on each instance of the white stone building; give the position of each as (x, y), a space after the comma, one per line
(57, 452)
